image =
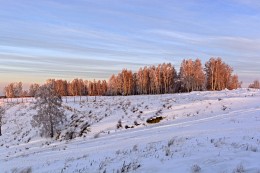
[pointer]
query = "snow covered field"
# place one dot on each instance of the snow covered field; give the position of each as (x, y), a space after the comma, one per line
(200, 132)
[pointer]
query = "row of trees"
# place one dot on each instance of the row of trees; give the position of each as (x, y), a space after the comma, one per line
(161, 79)
(76, 87)
(148, 80)
(14, 90)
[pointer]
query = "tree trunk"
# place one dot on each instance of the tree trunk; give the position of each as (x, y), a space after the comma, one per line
(51, 124)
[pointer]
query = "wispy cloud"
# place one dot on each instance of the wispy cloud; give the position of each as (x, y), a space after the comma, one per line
(250, 3)
(231, 44)
(94, 39)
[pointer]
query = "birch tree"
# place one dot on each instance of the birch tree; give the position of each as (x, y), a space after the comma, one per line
(234, 83)
(50, 114)
(33, 89)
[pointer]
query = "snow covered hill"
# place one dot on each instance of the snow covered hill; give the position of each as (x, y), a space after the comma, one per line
(198, 132)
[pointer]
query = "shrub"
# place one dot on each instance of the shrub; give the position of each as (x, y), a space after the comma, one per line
(239, 169)
(195, 169)
(25, 170)
(171, 142)
(97, 135)
(153, 120)
(132, 166)
(119, 124)
(167, 152)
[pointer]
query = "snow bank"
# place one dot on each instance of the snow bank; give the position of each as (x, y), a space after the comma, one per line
(200, 132)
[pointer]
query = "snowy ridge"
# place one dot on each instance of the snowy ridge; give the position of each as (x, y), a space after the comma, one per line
(200, 132)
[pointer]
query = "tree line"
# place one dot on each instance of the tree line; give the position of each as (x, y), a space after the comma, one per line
(160, 79)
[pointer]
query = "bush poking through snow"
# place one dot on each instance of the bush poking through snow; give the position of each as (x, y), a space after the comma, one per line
(119, 124)
(159, 112)
(153, 120)
(84, 129)
(239, 169)
(167, 151)
(195, 169)
(171, 142)
(135, 148)
(25, 170)
(97, 135)
(253, 149)
(136, 123)
(132, 166)
(128, 127)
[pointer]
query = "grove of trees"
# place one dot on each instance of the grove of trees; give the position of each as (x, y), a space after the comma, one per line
(219, 75)
(192, 76)
(160, 79)
(14, 90)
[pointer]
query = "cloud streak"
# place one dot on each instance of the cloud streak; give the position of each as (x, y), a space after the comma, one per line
(93, 39)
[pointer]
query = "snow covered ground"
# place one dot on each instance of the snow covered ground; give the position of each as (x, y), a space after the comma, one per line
(200, 132)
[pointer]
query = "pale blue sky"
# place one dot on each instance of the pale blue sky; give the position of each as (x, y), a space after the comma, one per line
(95, 38)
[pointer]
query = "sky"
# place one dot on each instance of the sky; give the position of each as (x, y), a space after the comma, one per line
(66, 39)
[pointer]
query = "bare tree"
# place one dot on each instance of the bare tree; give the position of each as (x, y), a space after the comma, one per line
(199, 75)
(234, 83)
(152, 76)
(112, 85)
(9, 90)
(255, 84)
(191, 75)
(104, 87)
(18, 89)
(2, 112)
(127, 82)
(50, 114)
(14, 90)
(33, 89)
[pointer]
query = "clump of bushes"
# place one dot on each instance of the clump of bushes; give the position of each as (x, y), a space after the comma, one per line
(239, 169)
(119, 124)
(195, 169)
(153, 120)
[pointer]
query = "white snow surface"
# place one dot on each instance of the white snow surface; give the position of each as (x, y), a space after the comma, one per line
(200, 132)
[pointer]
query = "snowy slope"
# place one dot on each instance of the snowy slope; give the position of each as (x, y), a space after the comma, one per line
(200, 132)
